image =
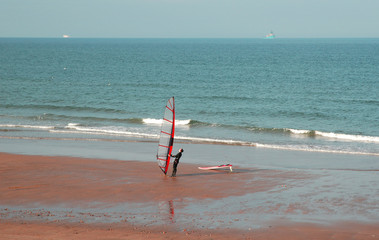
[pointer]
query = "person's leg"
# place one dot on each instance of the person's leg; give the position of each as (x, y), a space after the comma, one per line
(174, 170)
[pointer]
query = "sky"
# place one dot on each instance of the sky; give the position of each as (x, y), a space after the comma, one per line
(189, 18)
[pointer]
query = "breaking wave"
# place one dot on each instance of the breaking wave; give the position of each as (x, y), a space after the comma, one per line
(26, 126)
(336, 136)
(333, 136)
(307, 148)
(197, 132)
(159, 121)
(112, 131)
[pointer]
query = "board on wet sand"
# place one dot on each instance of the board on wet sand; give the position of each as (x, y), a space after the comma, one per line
(218, 167)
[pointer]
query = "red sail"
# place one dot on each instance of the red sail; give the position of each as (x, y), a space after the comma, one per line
(166, 139)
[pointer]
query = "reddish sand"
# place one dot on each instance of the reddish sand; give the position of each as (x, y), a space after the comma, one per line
(29, 181)
(31, 231)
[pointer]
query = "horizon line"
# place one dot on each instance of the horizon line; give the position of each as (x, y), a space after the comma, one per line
(70, 37)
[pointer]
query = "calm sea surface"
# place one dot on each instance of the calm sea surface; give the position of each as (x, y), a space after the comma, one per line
(299, 94)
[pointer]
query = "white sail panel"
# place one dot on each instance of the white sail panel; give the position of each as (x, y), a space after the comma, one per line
(166, 138)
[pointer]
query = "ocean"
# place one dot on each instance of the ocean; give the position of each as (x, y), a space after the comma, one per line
(315, 95)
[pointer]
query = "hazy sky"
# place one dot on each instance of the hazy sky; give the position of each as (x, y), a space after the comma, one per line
(189, 18)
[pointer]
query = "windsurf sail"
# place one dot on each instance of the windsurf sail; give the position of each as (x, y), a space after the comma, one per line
(166, 139)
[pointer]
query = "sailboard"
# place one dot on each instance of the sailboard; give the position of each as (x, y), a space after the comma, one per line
(166, 138)
(218, 167)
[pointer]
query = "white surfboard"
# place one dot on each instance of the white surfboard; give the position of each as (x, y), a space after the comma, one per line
(218, 167)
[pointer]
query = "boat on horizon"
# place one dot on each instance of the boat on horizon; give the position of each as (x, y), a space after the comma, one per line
(271, 35)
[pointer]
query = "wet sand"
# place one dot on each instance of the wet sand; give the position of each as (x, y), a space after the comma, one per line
(84, 231)
(44, 197)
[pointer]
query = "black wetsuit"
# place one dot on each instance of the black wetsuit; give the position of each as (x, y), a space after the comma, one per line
(176, 162)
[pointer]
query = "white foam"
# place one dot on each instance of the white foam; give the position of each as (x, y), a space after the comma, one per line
(153, 121)
(297, 131)
(309, 149)
(182, 122)
(219, 141)
(348, 137)
(113, 131)
(26, 126)
(338, 136)
(72, 125)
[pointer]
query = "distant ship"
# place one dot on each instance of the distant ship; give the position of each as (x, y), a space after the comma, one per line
(271, 35)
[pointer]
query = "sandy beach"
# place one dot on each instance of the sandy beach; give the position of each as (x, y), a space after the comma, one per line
(47, 197)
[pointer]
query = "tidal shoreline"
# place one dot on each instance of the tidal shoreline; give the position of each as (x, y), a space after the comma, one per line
(85, 198)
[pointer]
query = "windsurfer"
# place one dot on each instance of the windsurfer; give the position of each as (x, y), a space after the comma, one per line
(176, 162)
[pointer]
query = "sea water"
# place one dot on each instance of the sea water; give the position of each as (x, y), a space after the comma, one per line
(317, 95)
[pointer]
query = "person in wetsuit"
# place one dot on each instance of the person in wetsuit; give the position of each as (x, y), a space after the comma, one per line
(176, 162)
